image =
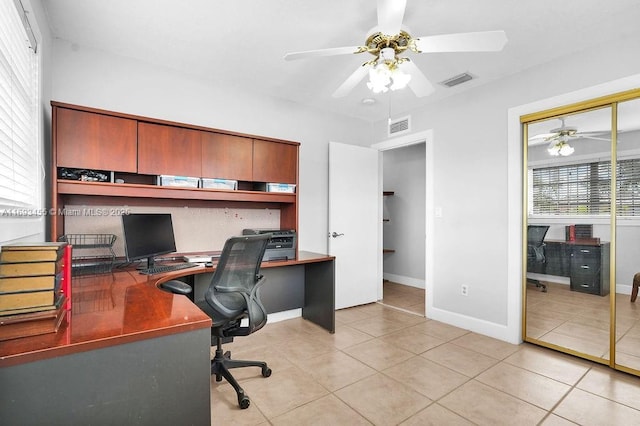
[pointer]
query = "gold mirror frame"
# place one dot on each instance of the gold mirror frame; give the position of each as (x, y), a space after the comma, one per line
(611, 101)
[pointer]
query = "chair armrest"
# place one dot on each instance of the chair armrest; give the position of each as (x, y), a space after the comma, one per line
(176, 287)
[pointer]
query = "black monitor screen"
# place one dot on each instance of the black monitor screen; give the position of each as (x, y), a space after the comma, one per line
(147, 235)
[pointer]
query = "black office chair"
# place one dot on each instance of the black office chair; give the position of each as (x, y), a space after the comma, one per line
(233, 295)
(535, 249)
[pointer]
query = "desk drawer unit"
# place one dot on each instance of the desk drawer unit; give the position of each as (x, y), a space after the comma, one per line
(589, 269)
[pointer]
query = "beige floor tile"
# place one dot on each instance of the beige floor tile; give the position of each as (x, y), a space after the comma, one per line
(484, 405)
(377, 354)
(555, 365)
(327, 410)
(587, 409)
(225, 409)
(346, 336)
(303, 348)
(412, 340)
(346, 316)
(377, 326)
(462, 360)
(530, 387)
(336, 370)
(382, 400)
(597, 349)
(427, 377)
(614, 385)
(436, 415)
(486, 345)
(283, 391)
(553, 420)
(440, 330)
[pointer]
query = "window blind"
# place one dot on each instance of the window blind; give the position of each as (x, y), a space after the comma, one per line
(19, 147)
(585, 189)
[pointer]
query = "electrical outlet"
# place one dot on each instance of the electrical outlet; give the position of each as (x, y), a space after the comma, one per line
(464, 290)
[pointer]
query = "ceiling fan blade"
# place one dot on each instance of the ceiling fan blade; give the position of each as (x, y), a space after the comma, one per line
(390, 15)
(418, 84)
(352, 80)
(484, 41)
(324, 52)
(542, 136)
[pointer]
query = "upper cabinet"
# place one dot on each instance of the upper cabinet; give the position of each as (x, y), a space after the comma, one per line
(227, 156)
(95, 141)
(169, 150)
(132, 151)
(275, 162)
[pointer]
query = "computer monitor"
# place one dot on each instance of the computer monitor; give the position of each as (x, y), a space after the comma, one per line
(147, 235)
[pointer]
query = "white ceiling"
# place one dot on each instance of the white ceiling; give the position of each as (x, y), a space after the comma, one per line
(242, 42)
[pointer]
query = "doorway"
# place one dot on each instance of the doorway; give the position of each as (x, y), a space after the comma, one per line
(406, 170)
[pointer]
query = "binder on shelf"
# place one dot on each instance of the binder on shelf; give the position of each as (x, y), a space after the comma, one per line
(30, 269)
(30, 252)
(40, 282)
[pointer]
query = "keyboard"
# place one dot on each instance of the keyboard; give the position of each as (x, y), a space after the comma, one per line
(159, 269)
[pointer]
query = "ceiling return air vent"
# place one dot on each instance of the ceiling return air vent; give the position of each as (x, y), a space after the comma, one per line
(399, 126)
(458, 79)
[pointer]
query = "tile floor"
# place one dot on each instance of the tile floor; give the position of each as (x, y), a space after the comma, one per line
(580, 321)
(389, 367)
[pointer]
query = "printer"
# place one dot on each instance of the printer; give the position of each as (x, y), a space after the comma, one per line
(281, 246)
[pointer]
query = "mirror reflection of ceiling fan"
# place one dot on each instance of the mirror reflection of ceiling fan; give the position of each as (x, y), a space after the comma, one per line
(560, 137)
(386, 42)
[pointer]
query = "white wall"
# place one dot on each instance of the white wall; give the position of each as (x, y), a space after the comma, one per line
(33, 228)
(97, 79)
(474, 242)
(404, 173)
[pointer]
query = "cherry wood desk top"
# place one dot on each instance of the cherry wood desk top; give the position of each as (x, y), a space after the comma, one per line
(119, 308)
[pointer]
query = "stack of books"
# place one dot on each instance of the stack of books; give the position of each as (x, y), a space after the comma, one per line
(35, 283)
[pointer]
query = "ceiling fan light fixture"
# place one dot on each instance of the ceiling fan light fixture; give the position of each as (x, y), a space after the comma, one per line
(560, 148)
(385, 75)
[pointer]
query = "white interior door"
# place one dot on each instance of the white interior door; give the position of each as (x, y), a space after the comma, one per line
(354, 219)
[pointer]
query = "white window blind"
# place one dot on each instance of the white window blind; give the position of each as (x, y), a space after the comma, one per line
(19, 100)
(584, 189)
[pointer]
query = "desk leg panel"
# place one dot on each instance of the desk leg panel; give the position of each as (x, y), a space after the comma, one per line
(319, 294)
(159, 381)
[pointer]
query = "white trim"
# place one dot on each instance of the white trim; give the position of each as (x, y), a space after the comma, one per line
(514, 187)
(404, 280)
(491, 329)
(407, 140)
(284, 315)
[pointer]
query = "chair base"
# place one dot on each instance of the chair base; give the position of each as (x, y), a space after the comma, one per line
(222, 363)
(538, 283)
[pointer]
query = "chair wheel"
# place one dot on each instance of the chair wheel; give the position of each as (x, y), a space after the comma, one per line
(266, 372)
(244, 402)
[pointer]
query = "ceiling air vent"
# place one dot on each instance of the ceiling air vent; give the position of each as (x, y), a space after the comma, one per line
(399, 126)
(458, 79)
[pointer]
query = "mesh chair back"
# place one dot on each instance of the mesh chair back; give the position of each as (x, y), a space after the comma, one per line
(233, 291)
(536, 234)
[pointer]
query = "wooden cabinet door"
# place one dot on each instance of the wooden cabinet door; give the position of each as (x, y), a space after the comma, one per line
(226, 156)
(167, 150)
(87, 140)
(274, 162)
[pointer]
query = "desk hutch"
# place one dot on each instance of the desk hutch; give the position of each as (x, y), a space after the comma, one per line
(136, 150)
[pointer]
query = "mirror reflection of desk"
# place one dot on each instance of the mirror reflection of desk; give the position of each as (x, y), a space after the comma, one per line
(585, 262)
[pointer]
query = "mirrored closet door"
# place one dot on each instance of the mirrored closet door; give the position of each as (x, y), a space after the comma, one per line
(581, 249)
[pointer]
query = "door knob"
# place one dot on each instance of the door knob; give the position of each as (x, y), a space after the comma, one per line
(334, 234)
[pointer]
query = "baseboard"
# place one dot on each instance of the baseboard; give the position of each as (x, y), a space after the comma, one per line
(400, 279)
(497, 331)
(284, 315)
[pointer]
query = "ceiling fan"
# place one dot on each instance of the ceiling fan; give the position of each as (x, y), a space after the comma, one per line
(559, 138)
(387, 70)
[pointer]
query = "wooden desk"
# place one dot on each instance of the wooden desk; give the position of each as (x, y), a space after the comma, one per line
(130, 352)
